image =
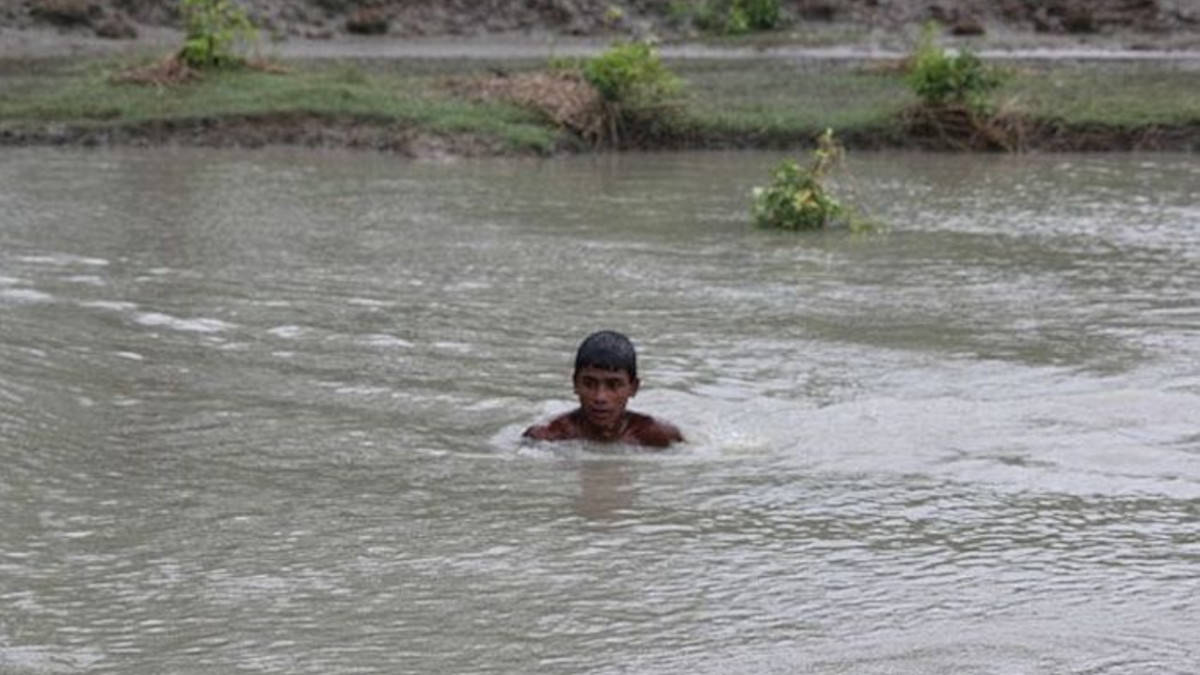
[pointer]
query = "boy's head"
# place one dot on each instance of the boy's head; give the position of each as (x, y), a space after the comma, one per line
(608, 350)
(605, 378)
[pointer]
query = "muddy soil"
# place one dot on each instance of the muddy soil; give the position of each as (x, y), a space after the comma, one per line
(1146, 22)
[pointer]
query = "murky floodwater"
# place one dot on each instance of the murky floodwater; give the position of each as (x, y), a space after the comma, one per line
(260, 411)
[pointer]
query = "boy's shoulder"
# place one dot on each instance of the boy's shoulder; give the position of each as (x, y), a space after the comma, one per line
(646, 430)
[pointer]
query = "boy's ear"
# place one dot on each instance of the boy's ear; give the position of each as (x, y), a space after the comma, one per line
(636, 383)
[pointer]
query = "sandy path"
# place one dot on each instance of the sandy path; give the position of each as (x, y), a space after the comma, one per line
(50, 44)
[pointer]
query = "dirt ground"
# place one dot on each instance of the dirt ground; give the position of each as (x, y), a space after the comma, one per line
(31, 27)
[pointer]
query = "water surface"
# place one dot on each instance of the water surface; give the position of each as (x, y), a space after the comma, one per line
(260, 411)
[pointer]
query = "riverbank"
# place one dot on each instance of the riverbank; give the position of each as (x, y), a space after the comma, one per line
(421, 106)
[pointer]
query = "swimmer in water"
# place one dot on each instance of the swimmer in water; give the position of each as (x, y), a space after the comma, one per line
(605, 379)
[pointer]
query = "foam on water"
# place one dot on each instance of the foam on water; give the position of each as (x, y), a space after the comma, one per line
(24, 296)
(196, 325)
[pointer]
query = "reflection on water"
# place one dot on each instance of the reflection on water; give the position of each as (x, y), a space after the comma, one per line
(261, 411)
(605, 490)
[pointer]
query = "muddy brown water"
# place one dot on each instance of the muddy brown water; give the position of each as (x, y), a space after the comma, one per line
(259, 411)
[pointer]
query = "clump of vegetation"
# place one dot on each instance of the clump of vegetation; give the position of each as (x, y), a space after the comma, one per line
(797, 198)
(214, 29)
(633, 84)
(956, 106)
(624, 90)
(631, 73)
(613, 15)
(728, 17)
(940, 77)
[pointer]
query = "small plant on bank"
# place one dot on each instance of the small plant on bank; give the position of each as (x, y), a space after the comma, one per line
(956, 109)
(626, 91)
(635, 88)
(214, 28)
(762, 14)
(631, 73)
(732, 17)
(940, 77)
(797, 198)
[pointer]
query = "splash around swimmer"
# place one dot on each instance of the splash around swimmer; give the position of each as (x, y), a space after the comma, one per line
(605, 378)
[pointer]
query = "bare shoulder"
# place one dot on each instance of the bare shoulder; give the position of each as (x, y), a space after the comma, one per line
(651, 432)
(560, 428)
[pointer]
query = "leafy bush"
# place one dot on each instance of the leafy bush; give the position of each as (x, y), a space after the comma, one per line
(761, 14)
(734, 17)
(797, 199)
(635, 91)
(939, 77)
(213, 29)
(631, 73)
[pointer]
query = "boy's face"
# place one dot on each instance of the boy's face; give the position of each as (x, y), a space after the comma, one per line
(603, 394)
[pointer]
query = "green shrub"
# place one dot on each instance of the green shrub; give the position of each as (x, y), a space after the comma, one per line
(735, 17)
(680, 12)
(213, 29)
(797, 199)
(761, 14)
(939, 77)
(631, 73)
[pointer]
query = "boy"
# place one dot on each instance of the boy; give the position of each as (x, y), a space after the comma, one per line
(605, 379)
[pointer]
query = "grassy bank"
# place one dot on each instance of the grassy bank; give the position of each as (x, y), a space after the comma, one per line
(725, 103)
(66, 99)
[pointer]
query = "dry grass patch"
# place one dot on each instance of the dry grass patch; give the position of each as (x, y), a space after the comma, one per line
(165, 72)
(563, 97)
(959, 126)
(174, 70)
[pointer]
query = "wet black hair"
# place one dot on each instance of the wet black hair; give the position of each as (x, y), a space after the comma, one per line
(609, 350)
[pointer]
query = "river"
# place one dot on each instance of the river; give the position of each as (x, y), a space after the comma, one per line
(260, 411)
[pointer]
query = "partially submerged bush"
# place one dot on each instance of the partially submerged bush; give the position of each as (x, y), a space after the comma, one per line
(797, 198)
(214, 29)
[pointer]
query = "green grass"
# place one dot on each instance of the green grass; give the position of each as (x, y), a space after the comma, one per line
(1124, 95)
(780, 99)
(761, 102)
(83, 94)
